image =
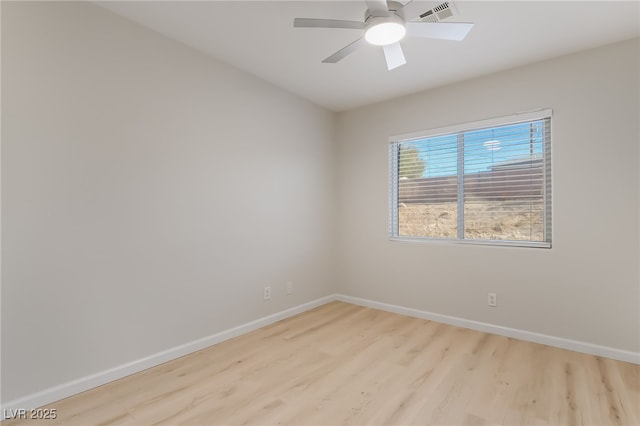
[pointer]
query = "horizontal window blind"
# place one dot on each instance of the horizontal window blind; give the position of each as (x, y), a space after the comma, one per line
(489, 184)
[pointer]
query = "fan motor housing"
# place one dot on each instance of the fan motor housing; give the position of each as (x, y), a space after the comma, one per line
(393, 7)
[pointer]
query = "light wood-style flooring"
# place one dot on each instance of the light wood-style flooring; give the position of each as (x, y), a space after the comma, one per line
(341, 364)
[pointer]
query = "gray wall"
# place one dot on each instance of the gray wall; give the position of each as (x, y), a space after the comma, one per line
(587, 286)
(149, 193)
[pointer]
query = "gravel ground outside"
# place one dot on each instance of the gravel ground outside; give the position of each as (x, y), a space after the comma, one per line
(490, 220)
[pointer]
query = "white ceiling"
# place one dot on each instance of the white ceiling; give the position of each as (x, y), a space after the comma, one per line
(258, 37)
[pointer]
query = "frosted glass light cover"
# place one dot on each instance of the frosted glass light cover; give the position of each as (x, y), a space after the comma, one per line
(385, 33)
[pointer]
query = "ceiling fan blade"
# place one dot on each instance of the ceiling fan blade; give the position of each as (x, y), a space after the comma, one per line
(378, 7)
(345, 51)
(440, 30)
(327, 23)
(415, 8)
(394, 55)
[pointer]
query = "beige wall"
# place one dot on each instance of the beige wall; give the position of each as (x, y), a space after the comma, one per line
(149, 193)
(587, 286)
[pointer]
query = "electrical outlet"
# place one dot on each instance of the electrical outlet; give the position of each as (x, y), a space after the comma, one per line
(267, 293)
(492, 299)
(289, 287)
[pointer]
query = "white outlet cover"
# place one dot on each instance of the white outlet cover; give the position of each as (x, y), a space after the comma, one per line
(492, 299)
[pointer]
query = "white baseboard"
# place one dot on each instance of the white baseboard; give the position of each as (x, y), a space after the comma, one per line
(82, 384)
(573, 345)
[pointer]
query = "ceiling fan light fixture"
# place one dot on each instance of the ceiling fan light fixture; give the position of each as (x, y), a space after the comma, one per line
(386, 22)
(384, 32)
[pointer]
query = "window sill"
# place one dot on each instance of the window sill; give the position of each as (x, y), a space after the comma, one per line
(454, 241)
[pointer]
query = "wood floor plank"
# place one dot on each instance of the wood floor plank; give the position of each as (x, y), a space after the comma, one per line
(342, 364)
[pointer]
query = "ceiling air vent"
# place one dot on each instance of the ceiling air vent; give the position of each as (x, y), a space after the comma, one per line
(438, 13)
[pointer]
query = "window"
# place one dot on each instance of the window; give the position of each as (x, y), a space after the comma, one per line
(486, 182)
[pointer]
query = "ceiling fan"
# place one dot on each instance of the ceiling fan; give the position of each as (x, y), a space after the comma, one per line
(387, 22)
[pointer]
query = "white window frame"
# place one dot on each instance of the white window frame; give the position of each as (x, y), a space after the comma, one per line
(459, 128)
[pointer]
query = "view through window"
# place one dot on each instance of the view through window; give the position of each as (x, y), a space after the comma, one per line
(484, 182)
